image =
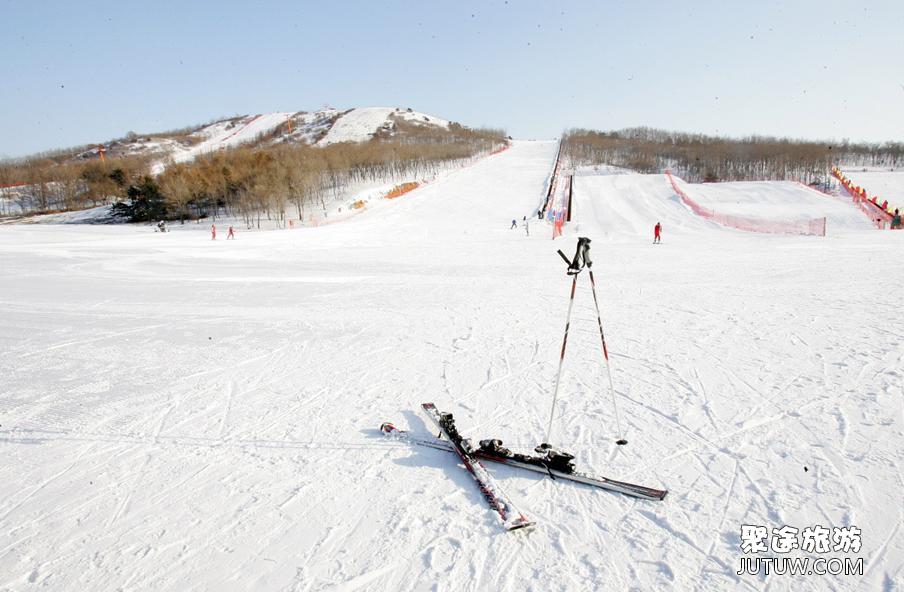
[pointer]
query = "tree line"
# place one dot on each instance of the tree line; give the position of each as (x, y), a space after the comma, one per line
(702, 158)
(252, 182)
(41, 184)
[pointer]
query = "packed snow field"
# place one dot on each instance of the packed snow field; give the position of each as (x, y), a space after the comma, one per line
(187, 414)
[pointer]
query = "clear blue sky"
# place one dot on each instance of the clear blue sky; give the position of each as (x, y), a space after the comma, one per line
(86, 71)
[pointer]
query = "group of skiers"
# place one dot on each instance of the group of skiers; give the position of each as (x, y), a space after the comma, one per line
(524, 223)
(657, 230)
(230, 234)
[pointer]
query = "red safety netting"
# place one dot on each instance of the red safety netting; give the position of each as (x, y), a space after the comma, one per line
(880, 218)
(560, 207)
(810, 227)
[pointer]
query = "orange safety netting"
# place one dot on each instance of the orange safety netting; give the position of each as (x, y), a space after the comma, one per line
(400, 190)
(560, 209)
(811, 227)
(879, 217)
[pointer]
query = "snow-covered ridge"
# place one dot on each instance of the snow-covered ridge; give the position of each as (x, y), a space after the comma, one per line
(323, 127)
(361, 124)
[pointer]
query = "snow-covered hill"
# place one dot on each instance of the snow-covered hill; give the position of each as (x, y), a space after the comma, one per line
(358, 125)
(627, 205)
(322, 127)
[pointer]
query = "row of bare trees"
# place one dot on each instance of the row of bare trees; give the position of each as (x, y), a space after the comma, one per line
(255, 183)
(701, 158)
(43, 185)
(251, 182)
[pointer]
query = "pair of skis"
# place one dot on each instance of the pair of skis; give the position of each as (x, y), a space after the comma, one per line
(492, 451)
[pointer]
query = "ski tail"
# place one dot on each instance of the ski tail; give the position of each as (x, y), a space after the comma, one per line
(512, 518)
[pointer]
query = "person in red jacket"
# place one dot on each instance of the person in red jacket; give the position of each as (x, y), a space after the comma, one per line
(657, 233)
(213, 232)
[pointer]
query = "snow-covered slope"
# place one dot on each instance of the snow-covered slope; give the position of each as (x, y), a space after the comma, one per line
(323, 127)
(629, 205)
(229, 134)
(179, 413)
(783, 200)
(885, 184)
(361, 124)
(95, 215)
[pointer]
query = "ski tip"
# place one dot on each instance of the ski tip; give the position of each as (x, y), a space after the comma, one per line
(520, 524)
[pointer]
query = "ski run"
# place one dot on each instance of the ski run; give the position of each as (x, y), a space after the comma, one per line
(181, 413)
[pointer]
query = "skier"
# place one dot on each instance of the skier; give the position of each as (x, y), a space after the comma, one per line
(230, 234)
(526, 227)
(657, 233)
(514, 223)
(213, 232)
(896, 220)
(161, 226)
(539, 214)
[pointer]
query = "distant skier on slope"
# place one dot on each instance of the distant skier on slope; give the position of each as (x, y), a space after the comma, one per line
(657, 233)
(514, 223)
(213, 232)
(526, 227)
(230, 234)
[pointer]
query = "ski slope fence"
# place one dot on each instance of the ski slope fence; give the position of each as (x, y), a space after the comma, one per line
(809, 227)
(561, 208)
(551, 184)
(878, 216)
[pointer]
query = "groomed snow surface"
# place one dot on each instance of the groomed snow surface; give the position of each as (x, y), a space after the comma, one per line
(624, 204)
(187, 414)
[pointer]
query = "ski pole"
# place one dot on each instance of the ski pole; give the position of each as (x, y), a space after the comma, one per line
(599, 320)
(555, 393)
